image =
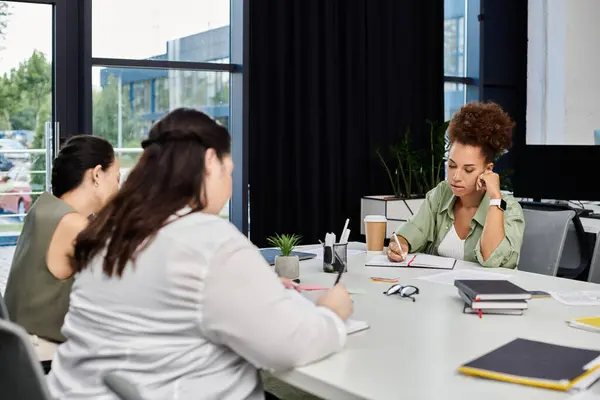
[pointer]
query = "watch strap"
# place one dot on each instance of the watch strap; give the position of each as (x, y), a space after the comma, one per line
(500, 203)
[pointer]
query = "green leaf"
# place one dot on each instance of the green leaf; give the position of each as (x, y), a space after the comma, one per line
(285, 243)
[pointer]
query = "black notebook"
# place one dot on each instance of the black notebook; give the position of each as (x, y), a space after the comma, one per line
(533, 363)
(482, 290)
(502, 311)
(493, 304)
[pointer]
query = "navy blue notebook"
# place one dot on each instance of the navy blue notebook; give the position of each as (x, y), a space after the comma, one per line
(270, 254)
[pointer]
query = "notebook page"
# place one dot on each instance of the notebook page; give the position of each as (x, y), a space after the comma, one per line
(448, 278)
(592, 393)
(417, 260)
(433, 261)
(578, 298)
(352, 325)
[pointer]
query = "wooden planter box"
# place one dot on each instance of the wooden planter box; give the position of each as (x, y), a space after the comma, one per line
(395, 210)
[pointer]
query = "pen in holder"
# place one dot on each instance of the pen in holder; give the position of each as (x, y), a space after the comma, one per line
(336, 258)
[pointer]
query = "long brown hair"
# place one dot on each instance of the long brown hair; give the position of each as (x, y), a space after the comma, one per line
(168, 176)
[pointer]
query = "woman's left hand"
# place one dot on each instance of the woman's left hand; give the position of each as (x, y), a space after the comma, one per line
(289, 284)
(490, 182)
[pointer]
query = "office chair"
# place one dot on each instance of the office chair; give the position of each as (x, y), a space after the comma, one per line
(120, 386)
(576, 256)
(3, 309)
(543, 241)
(594, 275)
(21, 376)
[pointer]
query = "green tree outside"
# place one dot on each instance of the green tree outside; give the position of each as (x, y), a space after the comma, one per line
(106, 119)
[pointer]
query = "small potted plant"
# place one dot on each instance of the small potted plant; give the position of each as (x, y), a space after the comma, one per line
(286, 265)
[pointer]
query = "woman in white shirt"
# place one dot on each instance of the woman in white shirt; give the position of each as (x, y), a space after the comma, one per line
(174, 297)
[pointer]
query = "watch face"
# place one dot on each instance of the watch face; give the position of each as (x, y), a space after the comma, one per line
(502, 204)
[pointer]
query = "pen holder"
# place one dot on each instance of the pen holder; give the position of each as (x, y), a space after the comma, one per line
(338, 258)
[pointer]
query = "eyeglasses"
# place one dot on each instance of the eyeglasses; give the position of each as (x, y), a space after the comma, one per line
(404, 291)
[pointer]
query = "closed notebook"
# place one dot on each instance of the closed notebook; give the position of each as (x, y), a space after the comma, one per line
(493, 304)
(533, 363)
(469, 310)
(417, 260)
(490, 289)
(591, 324)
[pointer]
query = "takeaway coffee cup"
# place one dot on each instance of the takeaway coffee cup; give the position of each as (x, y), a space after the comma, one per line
(375, 228)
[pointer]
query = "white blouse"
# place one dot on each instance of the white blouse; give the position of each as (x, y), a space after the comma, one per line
(195, 317)
(452, 246)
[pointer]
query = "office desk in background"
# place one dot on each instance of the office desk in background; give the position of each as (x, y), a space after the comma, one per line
(591, 225)
(412, 350)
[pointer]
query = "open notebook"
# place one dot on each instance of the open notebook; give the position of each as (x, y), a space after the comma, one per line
(352, 325)
(416, 260)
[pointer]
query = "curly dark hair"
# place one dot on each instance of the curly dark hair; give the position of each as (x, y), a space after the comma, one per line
(485, 125)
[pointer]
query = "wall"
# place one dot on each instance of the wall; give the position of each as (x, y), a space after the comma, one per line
(563, 79)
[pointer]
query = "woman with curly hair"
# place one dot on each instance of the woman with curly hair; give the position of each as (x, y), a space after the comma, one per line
(466, 217)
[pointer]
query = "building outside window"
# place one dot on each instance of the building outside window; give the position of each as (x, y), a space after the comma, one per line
(152, 94)
(457, 57)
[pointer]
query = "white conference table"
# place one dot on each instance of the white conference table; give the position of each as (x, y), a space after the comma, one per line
(412, 350)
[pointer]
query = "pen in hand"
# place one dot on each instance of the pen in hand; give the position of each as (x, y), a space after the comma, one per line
(399, 245)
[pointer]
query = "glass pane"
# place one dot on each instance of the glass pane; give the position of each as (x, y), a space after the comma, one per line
(125, 116)
(454, 98)
(455, 37)
(25, 108)
(177, 30)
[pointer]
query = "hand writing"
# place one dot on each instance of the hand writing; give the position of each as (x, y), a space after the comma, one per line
(395, 253)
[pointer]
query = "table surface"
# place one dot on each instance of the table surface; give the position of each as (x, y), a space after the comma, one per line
(413, 350)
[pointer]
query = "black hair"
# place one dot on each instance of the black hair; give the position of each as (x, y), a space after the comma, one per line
(79, 154)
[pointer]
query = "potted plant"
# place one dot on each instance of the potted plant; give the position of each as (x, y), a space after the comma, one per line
(286, 264)
(412, 173)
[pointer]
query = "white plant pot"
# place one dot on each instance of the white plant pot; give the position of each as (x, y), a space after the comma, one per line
(397, 211)
(287, 267)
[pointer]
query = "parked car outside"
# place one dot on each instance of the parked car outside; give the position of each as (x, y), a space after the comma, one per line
(11, 144)
(15, 192)
(5, 163)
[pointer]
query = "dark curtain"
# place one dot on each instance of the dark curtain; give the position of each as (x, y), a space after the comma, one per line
(331, 81)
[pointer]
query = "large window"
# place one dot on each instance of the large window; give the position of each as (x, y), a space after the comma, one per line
(120, 120)
(461, 53)
(150, 58)
(26, 109)
(174, 30)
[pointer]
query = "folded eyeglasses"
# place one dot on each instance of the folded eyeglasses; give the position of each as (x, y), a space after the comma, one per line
(404, 291)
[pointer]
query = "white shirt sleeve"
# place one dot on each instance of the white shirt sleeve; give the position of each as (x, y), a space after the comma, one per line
(246, 308)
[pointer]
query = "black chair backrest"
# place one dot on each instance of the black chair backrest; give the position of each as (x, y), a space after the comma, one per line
(21, 375)
(581, 270)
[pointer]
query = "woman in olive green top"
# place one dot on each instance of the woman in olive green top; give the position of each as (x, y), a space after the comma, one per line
(85, 174)
(467, 217)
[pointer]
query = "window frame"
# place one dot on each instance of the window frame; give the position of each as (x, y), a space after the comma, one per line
(473, 53)
(238, 93)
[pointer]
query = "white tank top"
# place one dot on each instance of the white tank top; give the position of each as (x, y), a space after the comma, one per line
(452, 246)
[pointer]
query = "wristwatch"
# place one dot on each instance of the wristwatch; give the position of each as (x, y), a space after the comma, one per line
(500, 203)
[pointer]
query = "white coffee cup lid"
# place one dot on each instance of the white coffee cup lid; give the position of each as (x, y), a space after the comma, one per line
(375, 218)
